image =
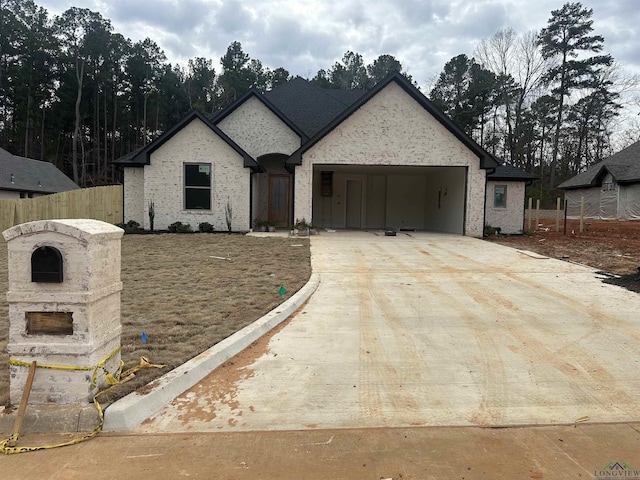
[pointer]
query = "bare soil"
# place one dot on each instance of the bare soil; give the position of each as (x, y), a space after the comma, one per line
(186, 293)
(612, 247)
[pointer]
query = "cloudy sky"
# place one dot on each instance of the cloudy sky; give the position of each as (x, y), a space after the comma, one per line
(306, 35)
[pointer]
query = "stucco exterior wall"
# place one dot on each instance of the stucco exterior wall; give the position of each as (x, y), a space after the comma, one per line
(164, 180)
(9, 194)
(134, 195)
(15, 195)
(511, 218)
(392, 129)
(258, 130)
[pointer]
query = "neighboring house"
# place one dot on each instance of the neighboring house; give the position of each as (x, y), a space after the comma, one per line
(27, 178)
(505, 200)
(382, 158)
(610, 188)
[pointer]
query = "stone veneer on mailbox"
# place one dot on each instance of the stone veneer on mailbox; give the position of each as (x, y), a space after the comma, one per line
(90, 290)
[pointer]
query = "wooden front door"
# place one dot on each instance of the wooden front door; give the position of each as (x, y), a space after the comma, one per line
(279, 200)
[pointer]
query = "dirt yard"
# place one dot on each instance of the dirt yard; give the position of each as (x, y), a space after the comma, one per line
(610, 246)
(184, 298)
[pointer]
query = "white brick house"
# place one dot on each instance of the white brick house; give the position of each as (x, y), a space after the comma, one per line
(383, 158)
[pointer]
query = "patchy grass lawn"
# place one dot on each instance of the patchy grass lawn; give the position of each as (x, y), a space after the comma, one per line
(184, 300)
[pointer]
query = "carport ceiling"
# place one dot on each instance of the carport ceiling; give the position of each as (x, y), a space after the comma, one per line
(378, 169)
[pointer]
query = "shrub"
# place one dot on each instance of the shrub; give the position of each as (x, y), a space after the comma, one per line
(489, 230)
(179, 227)
(302, 224)
(152, 213)
(131, 227)
(205, 227)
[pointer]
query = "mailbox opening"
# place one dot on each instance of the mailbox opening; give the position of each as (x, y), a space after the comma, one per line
(46, 265)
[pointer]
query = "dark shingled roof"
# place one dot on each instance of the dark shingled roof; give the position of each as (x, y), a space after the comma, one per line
(31, 175)
(309, 107)
(141, 157)
(624, 166)
(486, 159)
(508, 172)
(312, 112)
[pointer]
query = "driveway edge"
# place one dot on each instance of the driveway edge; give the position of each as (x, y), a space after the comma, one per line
(130, 411)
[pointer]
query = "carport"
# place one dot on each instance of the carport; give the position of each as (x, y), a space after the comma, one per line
(427, 198)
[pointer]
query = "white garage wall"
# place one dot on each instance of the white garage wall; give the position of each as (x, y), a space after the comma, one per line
(406, 201)
(393, 129)
(376, 202)
(510, 220)
(134, 194)
(444, 210)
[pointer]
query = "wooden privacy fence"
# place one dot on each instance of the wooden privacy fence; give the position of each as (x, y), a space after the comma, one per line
(98, 203)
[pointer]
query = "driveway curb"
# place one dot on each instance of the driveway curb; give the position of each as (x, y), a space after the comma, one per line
(130, 411)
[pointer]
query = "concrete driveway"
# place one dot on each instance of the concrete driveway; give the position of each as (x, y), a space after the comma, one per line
(430, 329)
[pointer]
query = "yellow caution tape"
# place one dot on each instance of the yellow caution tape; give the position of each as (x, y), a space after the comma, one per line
(112, 380)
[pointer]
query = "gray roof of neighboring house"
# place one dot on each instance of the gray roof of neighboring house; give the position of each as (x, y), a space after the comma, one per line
(624, 166)
(28, 175)
(508, 172)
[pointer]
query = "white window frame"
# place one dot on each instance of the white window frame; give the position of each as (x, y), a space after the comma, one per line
(495, 194)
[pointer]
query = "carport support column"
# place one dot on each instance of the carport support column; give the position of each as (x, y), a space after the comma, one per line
(302, 181)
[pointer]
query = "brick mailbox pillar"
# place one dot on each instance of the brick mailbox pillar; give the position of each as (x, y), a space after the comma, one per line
(64, 307)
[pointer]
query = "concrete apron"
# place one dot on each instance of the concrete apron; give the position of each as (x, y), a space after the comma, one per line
(430, 329)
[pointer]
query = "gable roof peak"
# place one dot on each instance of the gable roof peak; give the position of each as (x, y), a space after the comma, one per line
(486, 159)
(142, 156)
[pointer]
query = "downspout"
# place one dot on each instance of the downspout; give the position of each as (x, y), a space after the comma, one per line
(293, 196)
(251, 174)
(524, 207)
(487, 172)
(123, 204)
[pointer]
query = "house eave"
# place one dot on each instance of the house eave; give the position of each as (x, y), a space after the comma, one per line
(486, 159)
(143, 157)
(220, 116)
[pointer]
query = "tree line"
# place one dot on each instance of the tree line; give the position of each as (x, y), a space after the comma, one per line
(78, 94)
(545, 101)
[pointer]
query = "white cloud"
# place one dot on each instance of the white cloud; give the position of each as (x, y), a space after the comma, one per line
(305, 35)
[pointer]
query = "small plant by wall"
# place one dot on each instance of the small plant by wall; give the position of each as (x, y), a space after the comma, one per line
(228, 211)
(179, 227)
(205, 227)
(131, 227)
(489, 230)
(152, 213)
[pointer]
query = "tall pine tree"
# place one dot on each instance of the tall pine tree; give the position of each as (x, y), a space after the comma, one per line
(566, 37)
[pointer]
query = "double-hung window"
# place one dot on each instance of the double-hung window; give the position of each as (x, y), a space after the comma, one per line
(197, 186)
(500, 196)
